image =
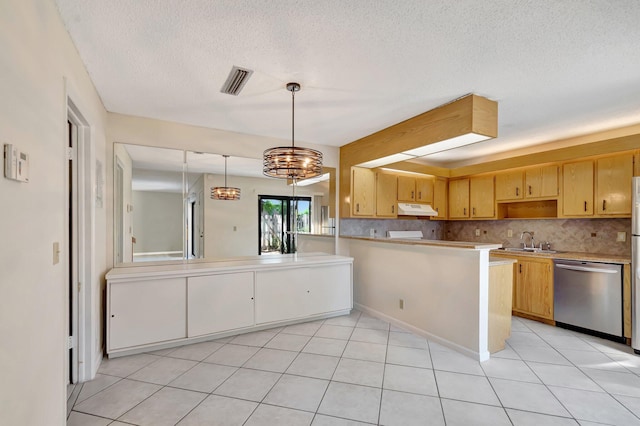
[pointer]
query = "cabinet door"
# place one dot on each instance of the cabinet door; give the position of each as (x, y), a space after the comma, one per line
(386, 187)
(143, 312)
(481, 197)
(613, 182)
(541, 182)
(281, 294)
(424, 190)
(329, 289)
(459, 199)
(577, 189)
(533, 293)
(440, 199)
(362, 191)
(406, 188)
(509, 186)
(219, 303)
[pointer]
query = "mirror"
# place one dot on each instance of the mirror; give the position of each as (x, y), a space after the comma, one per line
(163, 209)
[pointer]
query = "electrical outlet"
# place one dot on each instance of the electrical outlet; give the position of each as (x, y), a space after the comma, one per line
(401, 303)
(477, 232)
(622, 237)
(509, 233)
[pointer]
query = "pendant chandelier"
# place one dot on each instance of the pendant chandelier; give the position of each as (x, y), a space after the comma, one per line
(225, 192)
(292, 162)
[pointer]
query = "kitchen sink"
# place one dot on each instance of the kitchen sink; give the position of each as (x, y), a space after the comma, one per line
(529, 250)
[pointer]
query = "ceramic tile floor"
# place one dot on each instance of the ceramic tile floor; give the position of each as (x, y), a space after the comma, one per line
(357, 369)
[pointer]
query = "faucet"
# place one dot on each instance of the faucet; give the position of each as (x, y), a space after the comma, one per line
(532, 242)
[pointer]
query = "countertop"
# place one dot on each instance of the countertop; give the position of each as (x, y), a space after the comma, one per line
(570, 255)
(423, 242)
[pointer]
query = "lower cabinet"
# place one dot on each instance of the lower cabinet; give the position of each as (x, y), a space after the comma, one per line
(219, 303)
(143, 312)
(302, 292)
(533, 289)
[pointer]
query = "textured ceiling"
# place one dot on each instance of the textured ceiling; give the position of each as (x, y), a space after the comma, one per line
(558, 68)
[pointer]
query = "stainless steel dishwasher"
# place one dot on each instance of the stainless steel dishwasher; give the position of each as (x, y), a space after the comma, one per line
(588, 297)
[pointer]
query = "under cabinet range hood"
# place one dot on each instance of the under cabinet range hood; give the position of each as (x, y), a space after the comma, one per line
(409, 209)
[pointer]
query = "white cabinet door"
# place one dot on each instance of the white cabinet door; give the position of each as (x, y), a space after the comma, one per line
(329, 289)
(219, 302)
(281, 294)
(144, 312)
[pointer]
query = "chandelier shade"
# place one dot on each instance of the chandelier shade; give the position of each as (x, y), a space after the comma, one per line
(225, 192)
(292, 162)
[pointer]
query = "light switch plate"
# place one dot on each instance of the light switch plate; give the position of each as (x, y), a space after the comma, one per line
(509, 233)
(477, 232)
(622, 237)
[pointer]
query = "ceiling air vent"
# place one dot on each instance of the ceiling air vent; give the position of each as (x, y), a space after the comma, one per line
(237, 79)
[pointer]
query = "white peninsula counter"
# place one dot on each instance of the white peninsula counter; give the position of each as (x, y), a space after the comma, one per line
(164, 305)
(438, 289)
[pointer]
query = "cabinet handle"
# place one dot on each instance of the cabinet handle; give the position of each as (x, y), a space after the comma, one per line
(604, 205)
(412, 194)
(517, 191)
(520, 267)
(358, 208)
(420, 194)
(393, 208)
(529, 189)
(474, 211)
(113, 316)
(464, 211)
(585, 206)
(438, 209)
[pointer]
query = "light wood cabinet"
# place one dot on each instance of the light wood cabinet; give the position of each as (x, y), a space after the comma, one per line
(481, 197)
(613, 185)
(533, 290)
(459, 199)
(386, 187)
(424, 190)
(363, 187)
(440, 199)
(219, 303)
(509, 186)
(541, 182)
(577, 188)
(406, 188)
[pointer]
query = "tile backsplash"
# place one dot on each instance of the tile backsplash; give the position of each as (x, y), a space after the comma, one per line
(583, 235)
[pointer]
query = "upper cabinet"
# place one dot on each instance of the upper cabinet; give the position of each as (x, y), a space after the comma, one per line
(613, 185)
(363, 186)
(406, 188)
(509, 186)
(440, 199)
(471, 198)
(386, 187)
(424, 190)
(541, 182)
(577, 188)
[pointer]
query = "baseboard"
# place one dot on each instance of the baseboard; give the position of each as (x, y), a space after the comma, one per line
(444, 342)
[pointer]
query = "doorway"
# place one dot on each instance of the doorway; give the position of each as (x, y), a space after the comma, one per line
(279, 218)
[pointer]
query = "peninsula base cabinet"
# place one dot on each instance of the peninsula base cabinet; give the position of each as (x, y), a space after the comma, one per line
(143, 312)
(157, 307)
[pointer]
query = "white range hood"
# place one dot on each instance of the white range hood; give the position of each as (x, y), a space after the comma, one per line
(410, 209)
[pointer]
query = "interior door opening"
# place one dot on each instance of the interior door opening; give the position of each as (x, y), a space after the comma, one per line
(279, 218)
(72, 250)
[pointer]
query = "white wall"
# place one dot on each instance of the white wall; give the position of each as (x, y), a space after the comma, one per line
(37, 56)
(221, 240)
(157, 221)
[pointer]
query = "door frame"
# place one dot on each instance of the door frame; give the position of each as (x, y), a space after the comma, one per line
(88, 295)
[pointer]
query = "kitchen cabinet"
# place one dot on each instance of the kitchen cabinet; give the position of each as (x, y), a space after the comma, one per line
(219, 302)
(363, 186)
(440, 199)
(406, 188)
(577, 188)
(459, 199)
(143, 312)
(613, 185)
(509, 186)
(481, 197)
(541, 182)
(424, 190)
(302, 292)
(386, 194)
(471, 198)
(533, 291)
